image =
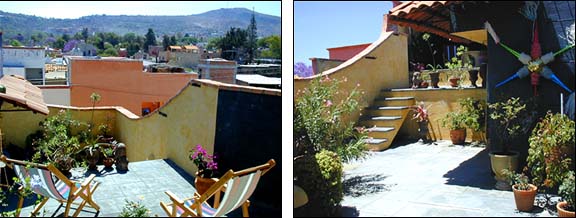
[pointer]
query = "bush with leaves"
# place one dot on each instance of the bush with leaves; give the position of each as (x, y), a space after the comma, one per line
(58, 145)
(323, 140)
(318, 122)
(474, 111)
(551, 152)
(566, 191)
(514, 120)
(134, 209)
(321, 177)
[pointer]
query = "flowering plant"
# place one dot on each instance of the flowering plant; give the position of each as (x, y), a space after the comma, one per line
(204, 162)
(420, 113)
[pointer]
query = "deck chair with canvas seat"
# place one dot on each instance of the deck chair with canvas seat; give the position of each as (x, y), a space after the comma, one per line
(49, 182)
(236, 186)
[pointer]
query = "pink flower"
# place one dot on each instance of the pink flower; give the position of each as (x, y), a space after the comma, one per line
(328, 103)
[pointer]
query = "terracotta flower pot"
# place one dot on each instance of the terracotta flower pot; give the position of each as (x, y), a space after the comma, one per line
(563, 212)
(202, 184)
(458, 136)
(454, 81)
(525, 198)
(108, 162)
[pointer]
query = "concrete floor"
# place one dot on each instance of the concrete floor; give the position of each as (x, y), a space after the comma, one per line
(145, 182)
(419, 179)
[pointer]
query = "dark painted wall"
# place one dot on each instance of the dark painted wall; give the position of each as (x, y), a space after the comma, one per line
(249, 133)
(515, 31)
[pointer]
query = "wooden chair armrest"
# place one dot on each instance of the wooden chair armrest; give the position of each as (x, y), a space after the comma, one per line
(174, 198)
(88, 180)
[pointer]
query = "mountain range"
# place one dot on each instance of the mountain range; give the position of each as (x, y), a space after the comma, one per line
(209, 24)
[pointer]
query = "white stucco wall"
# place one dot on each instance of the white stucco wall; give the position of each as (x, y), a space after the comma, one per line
(59, 96)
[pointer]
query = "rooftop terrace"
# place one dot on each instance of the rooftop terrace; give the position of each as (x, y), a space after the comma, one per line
(145, 181)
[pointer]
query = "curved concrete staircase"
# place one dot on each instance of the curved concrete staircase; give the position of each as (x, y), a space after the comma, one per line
(384, 118)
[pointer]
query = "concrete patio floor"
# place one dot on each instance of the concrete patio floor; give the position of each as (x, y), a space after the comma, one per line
(144, 181)
(419, 179)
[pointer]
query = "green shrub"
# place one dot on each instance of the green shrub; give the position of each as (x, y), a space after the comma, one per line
(551, 151)
(318, 120)
(134, 209)
(321, 178)
(566, 190)
(474, 111)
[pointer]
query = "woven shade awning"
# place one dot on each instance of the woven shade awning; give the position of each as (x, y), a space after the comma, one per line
(426, 16)
(22, 93)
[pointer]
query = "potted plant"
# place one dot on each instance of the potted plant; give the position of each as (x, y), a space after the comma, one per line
(551, 152)
(421, 117)
(92, 153)
(524, 192)
(457, 67)
(57, 144)
(207, 167)
(134, 209)
(104, 136)
(510, 116)
(108, 157)
(566, 191)
(475, 113)
(434, 74)
(455, 121)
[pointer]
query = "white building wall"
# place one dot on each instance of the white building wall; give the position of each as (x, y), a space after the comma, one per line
(27, 58)
(20, 71)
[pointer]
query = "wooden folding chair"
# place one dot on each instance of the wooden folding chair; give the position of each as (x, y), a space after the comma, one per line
(49, 182)
(237, 188)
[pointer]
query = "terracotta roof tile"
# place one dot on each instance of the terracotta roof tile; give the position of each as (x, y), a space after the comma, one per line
(22, 93)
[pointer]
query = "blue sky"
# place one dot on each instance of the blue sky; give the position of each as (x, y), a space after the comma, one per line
(321, 25)
(73, 9)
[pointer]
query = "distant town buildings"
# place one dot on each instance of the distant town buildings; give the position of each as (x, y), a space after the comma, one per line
(26, 62)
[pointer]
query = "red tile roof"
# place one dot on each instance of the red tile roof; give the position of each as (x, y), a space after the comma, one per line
(426, 16)
(22, 93)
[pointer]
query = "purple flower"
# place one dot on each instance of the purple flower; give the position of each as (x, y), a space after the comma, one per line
(205, 162)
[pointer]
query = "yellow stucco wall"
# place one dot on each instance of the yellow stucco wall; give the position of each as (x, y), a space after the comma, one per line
(384, 64)
(439, 103)
(191, 120)
(16, 126)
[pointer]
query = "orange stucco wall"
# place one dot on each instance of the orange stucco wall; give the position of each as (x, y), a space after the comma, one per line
(346, 52)
(122, 83)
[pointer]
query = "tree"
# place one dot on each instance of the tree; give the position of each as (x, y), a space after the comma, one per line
(273, 45)
(233, 43)
(173, 40)
(129, 37)
(302, 70)
(66, 37)
(15, 42)
(109, 52)
(252, 37)
(150, 39)
(85, 34)
(166, 42)
(214, 43)
(59, 43)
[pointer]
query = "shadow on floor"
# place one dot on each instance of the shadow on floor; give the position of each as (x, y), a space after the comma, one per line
(348, 211)
(365, 184)
(474, 172)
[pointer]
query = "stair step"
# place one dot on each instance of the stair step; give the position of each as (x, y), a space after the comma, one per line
(385, 118)
(380, 129)
(387, 108)
(375, 141)
(395, 98)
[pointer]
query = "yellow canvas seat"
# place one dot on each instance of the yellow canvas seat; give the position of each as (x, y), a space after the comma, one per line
(236, 186)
